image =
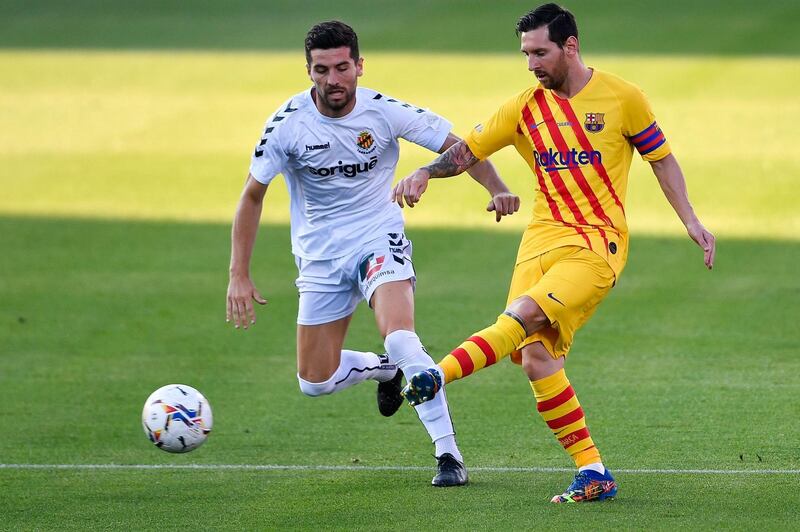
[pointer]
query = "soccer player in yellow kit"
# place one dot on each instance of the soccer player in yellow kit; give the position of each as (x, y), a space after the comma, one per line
(576, 129)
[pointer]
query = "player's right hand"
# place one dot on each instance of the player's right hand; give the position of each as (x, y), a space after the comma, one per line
(241, 294)
(503, 204)
(411, 188)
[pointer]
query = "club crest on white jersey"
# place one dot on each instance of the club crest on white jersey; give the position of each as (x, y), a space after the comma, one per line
(366, 142)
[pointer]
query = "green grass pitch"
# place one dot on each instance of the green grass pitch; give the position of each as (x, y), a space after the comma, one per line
(680, 369)
(125, 138)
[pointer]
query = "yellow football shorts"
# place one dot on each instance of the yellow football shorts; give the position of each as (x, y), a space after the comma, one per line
(568, 283)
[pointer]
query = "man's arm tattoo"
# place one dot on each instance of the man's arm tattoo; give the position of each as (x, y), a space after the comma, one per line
(452, 162)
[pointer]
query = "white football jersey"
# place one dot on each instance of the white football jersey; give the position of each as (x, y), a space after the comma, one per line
(339, 171)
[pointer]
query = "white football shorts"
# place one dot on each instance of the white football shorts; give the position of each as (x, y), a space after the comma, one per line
(331, 289)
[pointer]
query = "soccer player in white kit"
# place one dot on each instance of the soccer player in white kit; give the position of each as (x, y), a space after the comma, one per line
(337, 148)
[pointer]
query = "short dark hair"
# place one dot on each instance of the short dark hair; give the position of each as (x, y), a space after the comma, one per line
(560, 22)
(331, 34)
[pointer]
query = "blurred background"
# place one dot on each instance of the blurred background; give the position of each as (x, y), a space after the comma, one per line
(149, 110)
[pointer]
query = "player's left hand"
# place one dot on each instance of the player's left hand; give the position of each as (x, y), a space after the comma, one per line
(503, 204)
(411, 188)
(705, 240)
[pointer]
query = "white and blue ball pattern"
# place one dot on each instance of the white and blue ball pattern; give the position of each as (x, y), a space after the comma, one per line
(177, 418)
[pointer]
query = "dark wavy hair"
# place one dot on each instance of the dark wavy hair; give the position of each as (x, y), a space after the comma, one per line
(331, 34)
(560, 22)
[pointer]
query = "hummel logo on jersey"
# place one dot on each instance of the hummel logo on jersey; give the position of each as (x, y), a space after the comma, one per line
(554, 298)
(312, 147)
(347, 170)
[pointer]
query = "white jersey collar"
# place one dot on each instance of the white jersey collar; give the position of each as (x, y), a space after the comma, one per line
(315, 109)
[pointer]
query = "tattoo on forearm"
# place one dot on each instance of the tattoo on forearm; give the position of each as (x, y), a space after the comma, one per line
(452, 162)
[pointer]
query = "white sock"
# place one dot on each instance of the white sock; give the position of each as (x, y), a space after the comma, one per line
(354, 367)
(448, 445)
(597, 467)
(406, 350)
(438, 369)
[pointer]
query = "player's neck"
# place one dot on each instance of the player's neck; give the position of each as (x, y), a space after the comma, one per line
(577, 79)
(332, 113)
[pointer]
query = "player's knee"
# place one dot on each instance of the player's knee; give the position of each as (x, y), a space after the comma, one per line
(316, 365)
(315, 389)
(530, 312)
(530, 365)
(537, 362)
(315, 379)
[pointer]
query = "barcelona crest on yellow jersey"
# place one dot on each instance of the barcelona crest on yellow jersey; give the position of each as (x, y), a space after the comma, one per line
(594, 122)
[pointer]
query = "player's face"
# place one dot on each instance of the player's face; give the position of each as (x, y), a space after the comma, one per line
(335, 76)
(546, 59)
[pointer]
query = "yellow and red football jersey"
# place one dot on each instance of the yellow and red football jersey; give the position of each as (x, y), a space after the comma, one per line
(580, 151)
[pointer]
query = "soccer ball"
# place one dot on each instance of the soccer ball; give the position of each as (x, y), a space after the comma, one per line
(177, 418)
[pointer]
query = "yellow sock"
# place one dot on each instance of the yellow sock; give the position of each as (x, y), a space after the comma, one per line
(559, 407)
(483, 348)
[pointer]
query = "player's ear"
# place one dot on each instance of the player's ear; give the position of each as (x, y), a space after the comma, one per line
(571, 45)
(360, 66)
(308, 70)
